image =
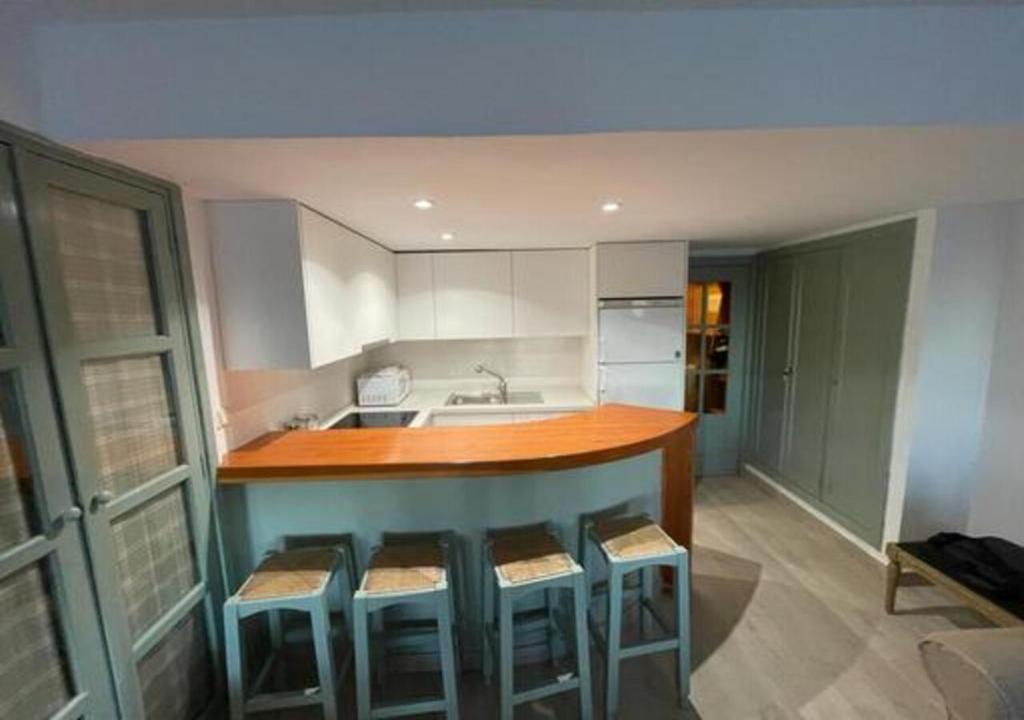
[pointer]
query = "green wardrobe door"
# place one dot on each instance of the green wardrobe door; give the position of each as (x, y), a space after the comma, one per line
(777, 305)
(873, 299)
(813, 344)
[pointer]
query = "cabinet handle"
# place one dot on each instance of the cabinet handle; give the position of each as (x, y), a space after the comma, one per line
(100, 500)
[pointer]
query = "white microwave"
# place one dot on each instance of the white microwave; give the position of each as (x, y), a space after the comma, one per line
(385, 386)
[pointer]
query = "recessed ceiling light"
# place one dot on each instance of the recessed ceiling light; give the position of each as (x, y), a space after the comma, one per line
(447, 236)
(611, 206)
(423, 204)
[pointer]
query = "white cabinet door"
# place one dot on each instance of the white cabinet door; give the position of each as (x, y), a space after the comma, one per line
(330, 261)
(641, 270)
(550, 290)
(259, 275)
(415, 277)
(473, 294)
(371, 297)
(469, 419)
(658, 385)
(300, 290)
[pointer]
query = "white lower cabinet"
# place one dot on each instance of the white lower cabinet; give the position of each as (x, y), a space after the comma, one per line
(462, 419)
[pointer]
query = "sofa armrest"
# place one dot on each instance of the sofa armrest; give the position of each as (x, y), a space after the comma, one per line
(980, 673)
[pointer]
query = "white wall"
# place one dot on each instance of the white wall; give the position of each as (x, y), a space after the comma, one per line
(537, 360)
(533, 71)
(20, 102)
(248, 403)
(954, 356)
(997, 507)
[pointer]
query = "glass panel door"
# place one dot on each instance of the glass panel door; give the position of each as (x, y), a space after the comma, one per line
(52, 659)
(112, 300)
(715, 338)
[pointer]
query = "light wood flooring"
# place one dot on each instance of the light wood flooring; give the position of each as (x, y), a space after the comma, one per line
(787, 623)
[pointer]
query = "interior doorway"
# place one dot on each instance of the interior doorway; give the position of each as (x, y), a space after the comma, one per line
(717, 312)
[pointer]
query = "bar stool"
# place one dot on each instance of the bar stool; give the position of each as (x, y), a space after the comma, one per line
(348, 582)
(629, 544)
(292, 580)
(409, 573)
(519, 562)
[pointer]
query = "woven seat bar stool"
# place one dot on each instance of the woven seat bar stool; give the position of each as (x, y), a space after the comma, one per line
(632, 544)
(406, 573)
(295, 580)
(518, 562)
(340, 598)
(455, 565)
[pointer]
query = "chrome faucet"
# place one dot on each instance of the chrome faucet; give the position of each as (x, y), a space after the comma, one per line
(480, 369)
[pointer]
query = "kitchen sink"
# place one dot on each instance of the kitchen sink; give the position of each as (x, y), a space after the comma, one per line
(492, 398)
(473, 399)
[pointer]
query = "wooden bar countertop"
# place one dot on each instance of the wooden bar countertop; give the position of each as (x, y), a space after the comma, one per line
(604, 434)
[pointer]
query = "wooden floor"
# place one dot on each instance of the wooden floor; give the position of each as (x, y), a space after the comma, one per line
(787, 623)
(788, 617)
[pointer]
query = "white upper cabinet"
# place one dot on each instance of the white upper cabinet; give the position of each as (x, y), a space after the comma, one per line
(641, 269)
(296, 289)
(415, 272)
(550, 290)
(473, 294)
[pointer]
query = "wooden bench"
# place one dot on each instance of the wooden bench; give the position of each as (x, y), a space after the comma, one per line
(914, 557)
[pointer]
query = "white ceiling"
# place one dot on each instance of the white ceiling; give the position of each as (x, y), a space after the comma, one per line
(744, 188)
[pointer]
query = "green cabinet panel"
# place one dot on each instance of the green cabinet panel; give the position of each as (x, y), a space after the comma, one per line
(777, 314)
(829, 345)
(874, 289)
(813, 342)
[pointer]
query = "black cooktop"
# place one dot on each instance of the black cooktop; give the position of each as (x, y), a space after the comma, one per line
(358, 420)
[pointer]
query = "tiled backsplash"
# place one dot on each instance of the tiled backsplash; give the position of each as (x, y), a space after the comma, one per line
(260, 400)
(521, 358)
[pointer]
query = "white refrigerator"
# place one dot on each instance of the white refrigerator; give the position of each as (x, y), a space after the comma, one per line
(640, 352)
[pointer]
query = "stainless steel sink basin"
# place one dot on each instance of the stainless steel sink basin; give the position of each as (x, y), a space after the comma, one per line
(491, 398)
(473, 399)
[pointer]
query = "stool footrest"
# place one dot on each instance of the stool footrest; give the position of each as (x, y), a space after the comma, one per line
(412, 707)
(547, 690)
(649, 648)
(263, 702)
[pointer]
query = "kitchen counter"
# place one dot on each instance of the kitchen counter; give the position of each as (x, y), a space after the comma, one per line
(592, 437)
(465, 479)
(429, 401)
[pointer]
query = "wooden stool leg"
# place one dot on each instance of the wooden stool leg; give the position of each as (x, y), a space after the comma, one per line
(506, 652)
(320, 621)
(448, 661)
(579, 594)
(892, 581)
(682, 590)
(611, 690)
(362, 642)
(233, 647)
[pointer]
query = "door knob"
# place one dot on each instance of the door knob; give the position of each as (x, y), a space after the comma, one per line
(100, 500)
(72, 514)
